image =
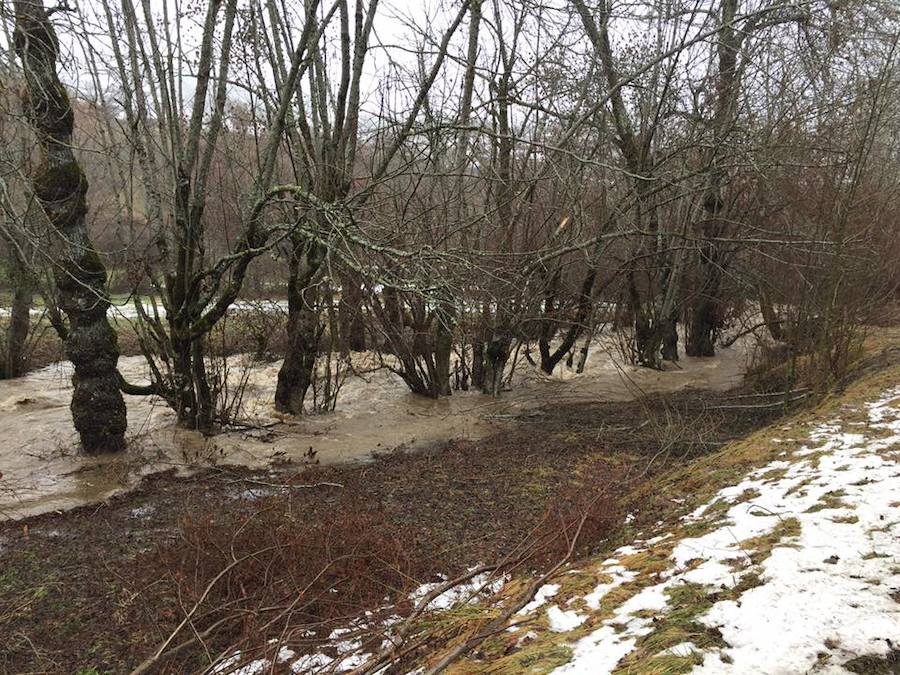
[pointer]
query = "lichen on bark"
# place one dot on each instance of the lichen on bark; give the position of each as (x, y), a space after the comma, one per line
(60, 186)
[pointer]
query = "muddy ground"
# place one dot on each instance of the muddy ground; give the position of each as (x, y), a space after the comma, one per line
(100, 588)
(42, 469)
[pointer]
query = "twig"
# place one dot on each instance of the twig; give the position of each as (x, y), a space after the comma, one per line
(286, 485)
(404, 629)
(759, 405)
(501, 622)
(149, 663)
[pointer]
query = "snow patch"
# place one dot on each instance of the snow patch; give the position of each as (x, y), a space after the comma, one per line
(830, 588)
(540, 597)
(480, 584)
(562, 621)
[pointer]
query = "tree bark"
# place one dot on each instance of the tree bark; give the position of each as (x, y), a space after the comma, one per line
(496, 354)
(60, 186)
(669, 328)
(770, 317)
(304, 328)
(350, 314)
(705, 323)
(443, 349)
(15, 361)
(705, 315)
(478, 364)
(647, 338)
(549, 361)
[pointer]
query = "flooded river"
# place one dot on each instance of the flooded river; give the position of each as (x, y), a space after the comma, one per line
(41, 470)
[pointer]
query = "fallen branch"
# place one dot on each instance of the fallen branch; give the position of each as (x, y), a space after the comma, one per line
(501, 622)
(304, 486)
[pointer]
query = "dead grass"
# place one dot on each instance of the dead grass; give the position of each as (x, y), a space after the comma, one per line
(686, 602)
(876, 665)
(394, 525)
(830, 500)
(688, 486)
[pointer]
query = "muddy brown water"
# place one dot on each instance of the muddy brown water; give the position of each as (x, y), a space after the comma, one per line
(41, 469)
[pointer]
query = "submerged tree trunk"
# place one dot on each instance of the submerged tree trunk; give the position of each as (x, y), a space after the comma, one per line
(304, 328)
(549, 324)
(669, 330)
(14, 363)
(496, 354)
(183, 382)
(190, 394)
(443, 349)
(550, 360)
(704, 326)
(583, 354)
(705, 316)
(98, 409)
(647, 337)
(350, 314)
(646, 343)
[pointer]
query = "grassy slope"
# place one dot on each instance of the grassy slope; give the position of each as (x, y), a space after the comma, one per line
(659, 504)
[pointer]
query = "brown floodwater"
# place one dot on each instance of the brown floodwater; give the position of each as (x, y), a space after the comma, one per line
(41, 469)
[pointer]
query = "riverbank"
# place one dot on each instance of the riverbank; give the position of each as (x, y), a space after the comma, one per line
(205, 570)
(42, 470)
(103, 585)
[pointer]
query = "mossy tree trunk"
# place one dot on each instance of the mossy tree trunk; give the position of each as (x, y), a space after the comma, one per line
(59, 185)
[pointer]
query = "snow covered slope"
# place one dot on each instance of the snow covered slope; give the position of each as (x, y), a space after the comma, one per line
(795, 569)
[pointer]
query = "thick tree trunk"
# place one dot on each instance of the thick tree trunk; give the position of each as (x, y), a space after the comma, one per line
(703, 328)
(705, 314)
(192, 397)
(296, 374)
(479, 344)
(583, 355)
(706, 319)
(183, 383)
(770, 317)
(15, 362)
(443, 349)
(478, 364)
(350, 314)
(304, 329)
(496, 354)
(98, 409)
(669, 330)
(646, 343)
(647, 338)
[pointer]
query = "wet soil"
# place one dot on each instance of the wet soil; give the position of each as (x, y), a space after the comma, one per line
(102, 586)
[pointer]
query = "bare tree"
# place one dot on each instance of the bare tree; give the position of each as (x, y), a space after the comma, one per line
(326, 141)
(176, 158)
